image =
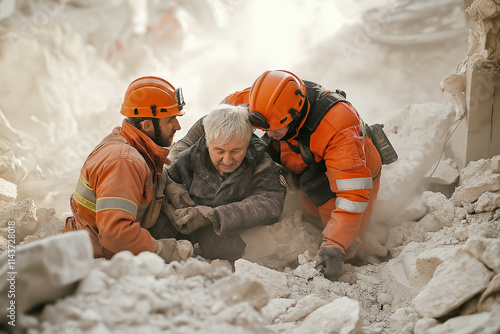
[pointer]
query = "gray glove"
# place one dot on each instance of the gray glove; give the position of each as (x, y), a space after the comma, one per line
(178, 194)
(329, 261)
(193, 218)
(174, 250)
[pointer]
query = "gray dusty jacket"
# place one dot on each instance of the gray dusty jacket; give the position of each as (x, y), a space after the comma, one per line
(250, 196)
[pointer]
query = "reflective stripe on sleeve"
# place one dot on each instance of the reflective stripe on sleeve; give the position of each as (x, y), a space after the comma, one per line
(117, 203)
(355, 184)
(351, 206)
(84, 194)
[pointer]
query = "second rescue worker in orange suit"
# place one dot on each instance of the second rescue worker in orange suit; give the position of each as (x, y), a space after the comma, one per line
(342, 176)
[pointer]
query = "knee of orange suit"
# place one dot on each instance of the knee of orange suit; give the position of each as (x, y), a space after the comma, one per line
(309, 206)
(325, 210)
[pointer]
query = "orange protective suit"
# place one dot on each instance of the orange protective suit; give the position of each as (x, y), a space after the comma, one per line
(115, 190)
(353, 167)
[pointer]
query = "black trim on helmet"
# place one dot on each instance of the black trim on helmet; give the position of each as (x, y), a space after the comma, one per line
(258, 120)
(180, 98)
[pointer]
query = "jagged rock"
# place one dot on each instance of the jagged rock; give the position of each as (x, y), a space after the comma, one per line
(477, 178)
(490, 299)
(441, 212)
(23, 214)
(8, 191)
(422, 325)
(485, 323)
(403, 320)
(430, 259)
(274, 281)
(486, 250)
(57, 262)
(340, 316)
(276, 307)
(488, 201)
(306, 271)
(303, 308)
(454, 282)
(235, 289)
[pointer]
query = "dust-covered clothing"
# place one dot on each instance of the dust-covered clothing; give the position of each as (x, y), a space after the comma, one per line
(250, 196)
(347, 164)
(115, 192)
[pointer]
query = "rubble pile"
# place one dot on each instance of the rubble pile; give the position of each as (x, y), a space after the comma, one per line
(442, 276)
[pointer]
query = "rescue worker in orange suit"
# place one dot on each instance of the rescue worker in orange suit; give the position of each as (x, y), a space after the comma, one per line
(120, 191)
(319, 137)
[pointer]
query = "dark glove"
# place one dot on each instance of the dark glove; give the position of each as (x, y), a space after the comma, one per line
(329, 260)
(169, 211)
(178, 194)
(193, 218)
(174, 250)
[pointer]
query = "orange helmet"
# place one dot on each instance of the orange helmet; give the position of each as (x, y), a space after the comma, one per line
(276, 98)
(152, 97)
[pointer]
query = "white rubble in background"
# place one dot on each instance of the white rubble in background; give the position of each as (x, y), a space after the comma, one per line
(8, 191)
(32, 223)
(429, 241)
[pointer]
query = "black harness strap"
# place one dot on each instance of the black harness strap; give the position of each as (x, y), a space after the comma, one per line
(321, 103)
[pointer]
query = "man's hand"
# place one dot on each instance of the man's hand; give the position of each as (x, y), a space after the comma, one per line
(174, 250)
(191, 219)
(178, 194)
(330, 260)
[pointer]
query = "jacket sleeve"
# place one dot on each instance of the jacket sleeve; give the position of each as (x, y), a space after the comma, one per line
(120, 187)
(348, 174)
(262, 206)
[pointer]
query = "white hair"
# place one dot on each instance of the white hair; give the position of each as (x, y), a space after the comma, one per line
(226, 122)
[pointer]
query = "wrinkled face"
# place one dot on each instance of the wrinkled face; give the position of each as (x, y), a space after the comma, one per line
(228, 157)
(277, 134)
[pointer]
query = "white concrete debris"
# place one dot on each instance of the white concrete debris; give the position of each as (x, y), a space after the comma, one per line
(466, 276)
(477, 178)
(44, 271)
(32, 223)
(409, 293)
(343, 315)
(271, 294)
(8, 191)
(274, 281)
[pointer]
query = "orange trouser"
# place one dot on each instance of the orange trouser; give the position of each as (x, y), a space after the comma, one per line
(324, 211)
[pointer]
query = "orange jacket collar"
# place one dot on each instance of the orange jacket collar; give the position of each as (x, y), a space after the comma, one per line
(144, 144)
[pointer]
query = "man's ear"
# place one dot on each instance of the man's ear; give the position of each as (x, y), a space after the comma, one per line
(147, 126)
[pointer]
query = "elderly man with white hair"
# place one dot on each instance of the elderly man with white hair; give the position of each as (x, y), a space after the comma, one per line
(233, 182)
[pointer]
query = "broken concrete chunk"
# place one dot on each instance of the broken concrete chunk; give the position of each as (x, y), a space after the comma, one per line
(8, 191)
(443, 294)
(58, 263)
(340, 316)
(488, 201)
(493, 291)
(236, 289)
(274, 281)
(472, 188)
(303, 308)
(469, 324)
(22, 215)
(430, 259)
(276, 307)
(486, 250)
